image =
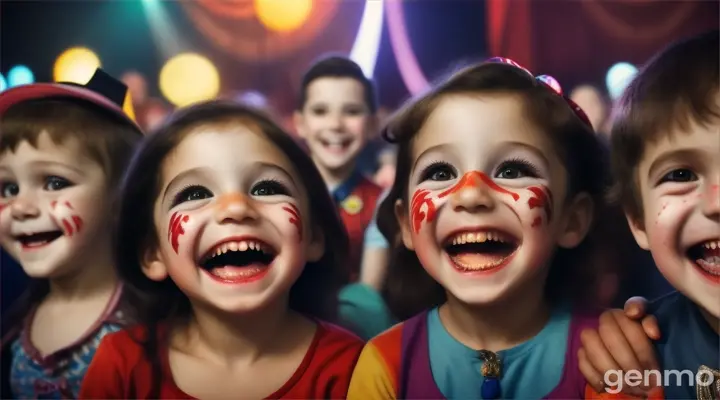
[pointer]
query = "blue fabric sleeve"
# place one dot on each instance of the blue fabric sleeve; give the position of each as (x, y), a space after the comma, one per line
(373, 238)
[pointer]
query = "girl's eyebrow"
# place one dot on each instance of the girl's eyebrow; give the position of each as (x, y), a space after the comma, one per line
(179, 177)
(436, 148)
(261, 165)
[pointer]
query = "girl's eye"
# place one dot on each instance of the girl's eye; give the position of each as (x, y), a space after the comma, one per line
(679, 175)
(192, 193)
(319, 111)
(355, 111)
(440, 171)
(54, 183)
(516, 169)
(9, 189)
(269, 188)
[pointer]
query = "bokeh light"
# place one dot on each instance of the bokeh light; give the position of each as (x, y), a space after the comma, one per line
(20, 75)
(3, 83)
(619, 77)
(189, 78)
(283, 15)
(76, 65)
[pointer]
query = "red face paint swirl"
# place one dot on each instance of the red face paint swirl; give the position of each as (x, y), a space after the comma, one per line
(542, 197)
(419, 199)
(71, 223)
(295, 218)
(3, 206)
(474, 179)
(176, 229)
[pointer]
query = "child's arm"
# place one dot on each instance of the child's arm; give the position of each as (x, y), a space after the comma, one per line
(373, 378)
(620, 344)
(103, 379)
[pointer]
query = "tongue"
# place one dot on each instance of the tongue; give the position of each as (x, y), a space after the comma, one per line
(478, 261)
(710, 260)
(232, 272)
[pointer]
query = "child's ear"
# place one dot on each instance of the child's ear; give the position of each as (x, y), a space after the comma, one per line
(402, 219)
(637, 227)
(316, 247)
(577, 221)
(299, 121)
(153, 265)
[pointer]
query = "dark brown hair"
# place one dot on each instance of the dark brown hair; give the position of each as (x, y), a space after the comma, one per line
(314, 293)
(338, 67)
(677, 87)
(106, 138)
(409, 289)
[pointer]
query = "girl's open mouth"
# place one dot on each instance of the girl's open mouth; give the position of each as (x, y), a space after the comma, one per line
(238, 261)
(481, 250)
(706, 257)
(37, 240)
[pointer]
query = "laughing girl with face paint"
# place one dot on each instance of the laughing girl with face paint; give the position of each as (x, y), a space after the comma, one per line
(225, 237)
(495, 206)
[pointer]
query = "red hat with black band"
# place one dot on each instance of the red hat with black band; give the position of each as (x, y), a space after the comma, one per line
(102, 91)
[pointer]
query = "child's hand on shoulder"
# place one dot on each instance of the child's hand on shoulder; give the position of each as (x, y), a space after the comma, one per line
(621, 343)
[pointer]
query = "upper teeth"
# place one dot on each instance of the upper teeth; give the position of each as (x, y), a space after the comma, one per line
(712, 245)
(480, 237)
(243, 245)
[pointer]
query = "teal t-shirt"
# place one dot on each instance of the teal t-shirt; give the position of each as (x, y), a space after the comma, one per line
(363, 311)
(529, 370)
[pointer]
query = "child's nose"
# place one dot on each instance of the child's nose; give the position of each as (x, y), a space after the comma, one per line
(711, 202)
(472, 194)
(24, 207)
(234, 207)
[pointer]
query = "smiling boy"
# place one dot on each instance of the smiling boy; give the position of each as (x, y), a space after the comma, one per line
(666, 147)
(336, 113)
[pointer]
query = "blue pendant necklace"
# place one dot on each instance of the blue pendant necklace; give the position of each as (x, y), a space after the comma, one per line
(491, 370)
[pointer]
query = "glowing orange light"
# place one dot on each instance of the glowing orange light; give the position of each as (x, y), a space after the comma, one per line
(283, 15)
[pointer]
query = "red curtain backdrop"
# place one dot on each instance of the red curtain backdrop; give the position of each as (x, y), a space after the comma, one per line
(577, 39)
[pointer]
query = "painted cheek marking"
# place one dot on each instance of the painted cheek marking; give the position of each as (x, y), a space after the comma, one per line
(3, 206)
(295, 218)
(419, 199)
(473, 179)
(68, 227)
(175, 229)
(77, 222)
(542, 198)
